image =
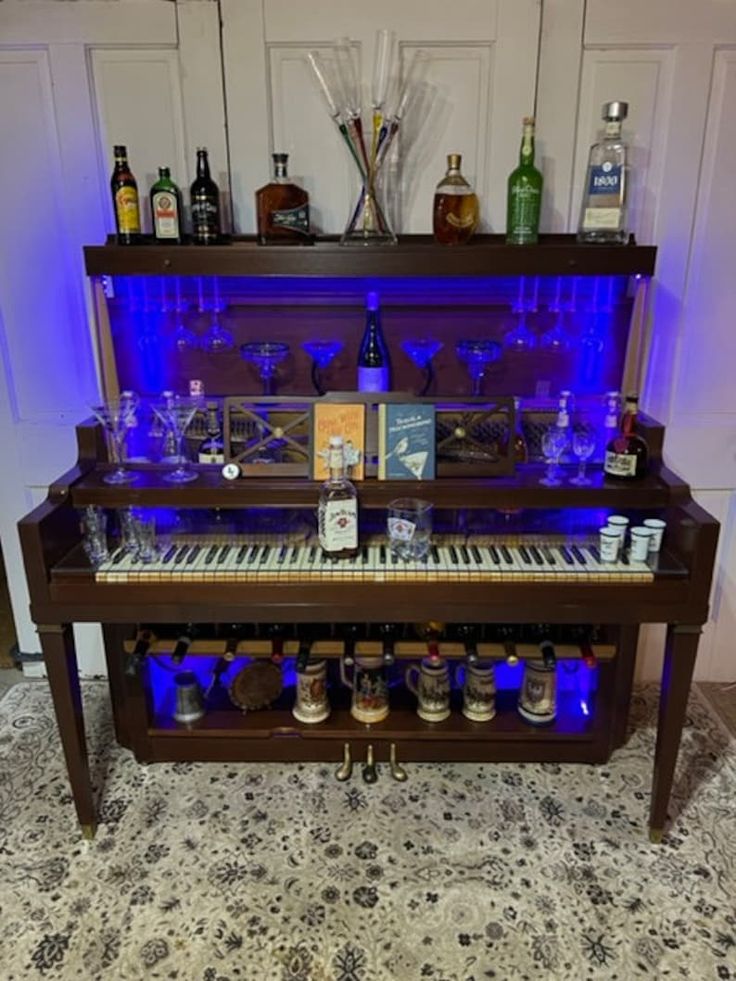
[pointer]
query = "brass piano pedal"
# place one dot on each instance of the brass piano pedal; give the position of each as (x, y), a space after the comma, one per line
(397, 770)
(345, 770)
(370, 773)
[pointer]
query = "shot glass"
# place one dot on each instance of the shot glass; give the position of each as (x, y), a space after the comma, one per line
(619, 524)
(409, 528)
(657, 527)
(609, 544)
(639, 549)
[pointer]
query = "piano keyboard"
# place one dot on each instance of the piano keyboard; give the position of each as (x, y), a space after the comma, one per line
(499, 561)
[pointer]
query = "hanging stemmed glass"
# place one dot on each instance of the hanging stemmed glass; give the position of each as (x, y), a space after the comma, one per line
(266, 356)
(217, 339)
(422, 351)
(116, 416)
(176, 413)
(322, 352)
(477, 355)
(184, 338)
(554, 441)
(556, 338)
(583, 447)
(520, 337)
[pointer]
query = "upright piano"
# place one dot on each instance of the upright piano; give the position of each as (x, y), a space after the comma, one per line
(239, 557)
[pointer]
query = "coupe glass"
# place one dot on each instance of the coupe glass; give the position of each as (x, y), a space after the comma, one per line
(266, 356)
(554, 441)
(116, 416)
(322, 352)
(422, 351)
(176, 413)
(477, 355)
(583, 447)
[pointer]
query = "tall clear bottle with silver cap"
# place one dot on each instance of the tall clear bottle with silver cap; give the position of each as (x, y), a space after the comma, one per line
(603, 211)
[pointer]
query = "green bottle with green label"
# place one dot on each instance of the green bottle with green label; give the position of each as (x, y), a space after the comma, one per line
(524, 193)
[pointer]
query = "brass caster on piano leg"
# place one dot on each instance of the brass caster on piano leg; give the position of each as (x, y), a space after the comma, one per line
(88, 831)
(397, 770)
(656, 835)
(370, 773)
(345, 770)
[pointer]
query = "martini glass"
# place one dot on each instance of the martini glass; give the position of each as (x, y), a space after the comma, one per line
(422, 351)
(266, 356)
(116, 416)
(176, 413)
(322, 352)
(477, 355)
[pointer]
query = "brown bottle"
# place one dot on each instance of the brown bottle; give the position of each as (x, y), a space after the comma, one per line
(282, 209)
(456, 211)
(125, 200)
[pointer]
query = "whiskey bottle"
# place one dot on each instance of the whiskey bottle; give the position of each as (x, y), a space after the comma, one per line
(212, 449)
(205, 199)
(183, 643)
(627, 455)
(456, 212)
(603, 211)
(524, 201)
(166, 208)
(338, 507)
(282, 209)
(374, 364)
(125, 200)
(134, 661)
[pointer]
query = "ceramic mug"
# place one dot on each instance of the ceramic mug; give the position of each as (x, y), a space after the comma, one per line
(311, 703)
(370, 690)
(430, 682)
(478, 682)
(538, 693)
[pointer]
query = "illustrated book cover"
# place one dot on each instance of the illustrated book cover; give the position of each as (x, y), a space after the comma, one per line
(338, 419)
(406, 441)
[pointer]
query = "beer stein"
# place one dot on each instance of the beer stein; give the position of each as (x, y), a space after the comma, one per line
(370, 690)
(538, 694)
(478, 682)
(311, 703)
(430, 682)
(189, 705)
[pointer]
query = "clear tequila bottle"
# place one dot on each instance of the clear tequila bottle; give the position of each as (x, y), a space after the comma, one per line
(603, 211)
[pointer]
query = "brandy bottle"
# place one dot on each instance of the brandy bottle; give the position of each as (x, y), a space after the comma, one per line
(627, 455)
(282, 209)
(456, 211)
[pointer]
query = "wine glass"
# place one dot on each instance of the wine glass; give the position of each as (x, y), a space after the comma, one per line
(583, 446)
(116, 416)
(176, 413)
(217, 339)
(322, 352)
(422, 351)
(554, 441)
(556, 338)
(266, 356)
(477, 355)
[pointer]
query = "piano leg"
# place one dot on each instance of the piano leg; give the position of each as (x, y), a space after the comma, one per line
(628, 641)
(679, 661)
(57, 644)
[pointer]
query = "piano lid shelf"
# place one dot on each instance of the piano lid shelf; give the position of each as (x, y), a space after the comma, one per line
(415, 255)
(522, 490)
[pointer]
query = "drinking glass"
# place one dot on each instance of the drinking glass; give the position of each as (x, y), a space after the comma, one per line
(322, 352)
(520, 337)
(477, 355)
(176, 413)
(583, 446)
(116, 416)
(422, 351)
(554, 441)
(266, 356)
(93, 524)
(409, 527)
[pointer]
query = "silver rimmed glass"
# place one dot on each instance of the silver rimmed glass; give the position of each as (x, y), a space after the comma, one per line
(176, 414)
(116, 416)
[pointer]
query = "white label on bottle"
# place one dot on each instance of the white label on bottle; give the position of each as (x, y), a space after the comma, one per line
(596, 218)
(212, 455)
(165, 215)
(372, 379)
(338, 526)
(620, 464)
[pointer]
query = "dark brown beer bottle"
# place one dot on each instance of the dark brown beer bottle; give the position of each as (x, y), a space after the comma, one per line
(205, 198)
(125, 200)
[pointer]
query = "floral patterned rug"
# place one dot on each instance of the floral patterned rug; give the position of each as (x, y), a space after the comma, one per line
(203, 872)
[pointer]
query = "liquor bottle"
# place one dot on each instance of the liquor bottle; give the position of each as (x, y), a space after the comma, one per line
(134, 661)
(456, 212)
(524, 199)
(519, 447)
(374, 364)
(388, 633)
(468, 635)
(183, 643)
(612, 416)
(276, 634)
(627, 455)
(562, 423)
(125, 200)
(431, 632)
(166, 208)
(603, 211)
(338, 507)
(212, 449)
(205, 198)
(282, 209)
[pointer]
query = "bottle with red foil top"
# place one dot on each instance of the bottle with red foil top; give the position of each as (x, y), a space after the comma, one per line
(627, 454)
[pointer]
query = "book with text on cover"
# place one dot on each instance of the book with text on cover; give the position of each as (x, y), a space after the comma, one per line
(338, 419)
(406, 439)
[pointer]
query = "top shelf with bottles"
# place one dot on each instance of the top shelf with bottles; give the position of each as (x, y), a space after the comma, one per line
(415, 255)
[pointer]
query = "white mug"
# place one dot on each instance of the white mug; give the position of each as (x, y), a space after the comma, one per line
(657, 527)
(311, 693)
(479, 691)
(639, 549)
(609, 544)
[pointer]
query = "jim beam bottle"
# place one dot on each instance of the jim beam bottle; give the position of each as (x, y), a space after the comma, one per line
(166, 208)
(338, 507)
(282, 208)
(627, 454)
(205, 199)
(125, 199)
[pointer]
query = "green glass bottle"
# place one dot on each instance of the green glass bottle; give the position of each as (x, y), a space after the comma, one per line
(166, 217)
(524, 193)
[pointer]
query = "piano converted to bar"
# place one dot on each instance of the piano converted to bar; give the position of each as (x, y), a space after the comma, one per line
(514, 566)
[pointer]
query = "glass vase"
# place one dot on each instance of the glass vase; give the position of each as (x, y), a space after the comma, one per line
(369, 224)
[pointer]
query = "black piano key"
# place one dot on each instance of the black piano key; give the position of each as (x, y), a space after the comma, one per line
(506, 555)
(464, 555)
(623, 557)
(525, 557)
(119, 556)
(453, 555)
(548, 556)
(264, 554)
(242, 552)
(579, 555)
(382, 555)
(281, 557)
(495, 557)
(211, 553)
(435, 554)
(169, 554)
(535, 554)
(312, 554)
(224, 552)
(364, 555)
(394, 558)
(569, 560)
(593, 549)
(294, 556)
(193, 553)
(476, 555)
(179, 557)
